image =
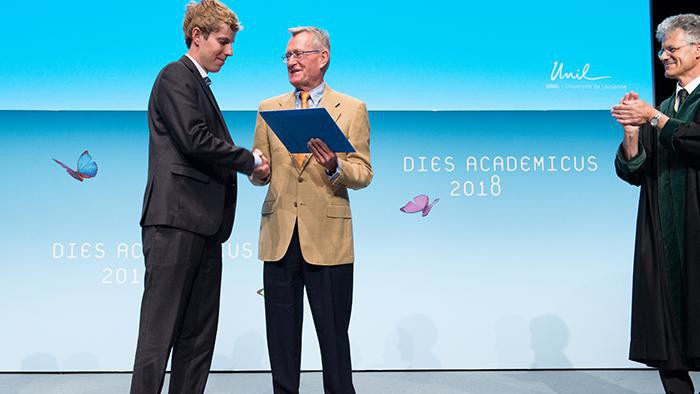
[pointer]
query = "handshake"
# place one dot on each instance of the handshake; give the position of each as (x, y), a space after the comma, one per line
(262, 168)
(321, 153)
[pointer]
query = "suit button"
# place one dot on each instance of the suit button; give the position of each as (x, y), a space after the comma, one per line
(295, 204)
(301, 179)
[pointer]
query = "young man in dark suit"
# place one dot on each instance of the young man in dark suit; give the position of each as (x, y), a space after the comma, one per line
(188, 207)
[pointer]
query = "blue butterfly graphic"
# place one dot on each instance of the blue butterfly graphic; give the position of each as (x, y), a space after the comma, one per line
(86, 167)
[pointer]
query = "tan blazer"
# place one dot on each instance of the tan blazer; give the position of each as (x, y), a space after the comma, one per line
(305, 194)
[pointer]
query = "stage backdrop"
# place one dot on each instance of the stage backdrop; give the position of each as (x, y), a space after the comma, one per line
(498, 112)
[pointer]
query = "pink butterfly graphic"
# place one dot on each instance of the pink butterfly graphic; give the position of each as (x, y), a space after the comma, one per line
(419, 204)
(86, 167)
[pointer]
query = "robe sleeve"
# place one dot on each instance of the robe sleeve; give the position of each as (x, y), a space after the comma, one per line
(629, 170)
(634, 170)
(682, 137)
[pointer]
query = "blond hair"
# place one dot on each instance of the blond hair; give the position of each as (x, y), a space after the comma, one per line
(208, 15)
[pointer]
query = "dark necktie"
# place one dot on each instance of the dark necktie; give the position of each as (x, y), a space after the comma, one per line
(680, 97)
(207, 81)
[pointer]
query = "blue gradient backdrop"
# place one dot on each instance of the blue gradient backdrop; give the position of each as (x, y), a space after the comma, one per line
(533, 274)
(394, 55)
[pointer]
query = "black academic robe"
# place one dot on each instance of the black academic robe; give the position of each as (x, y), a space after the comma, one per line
(657, 339)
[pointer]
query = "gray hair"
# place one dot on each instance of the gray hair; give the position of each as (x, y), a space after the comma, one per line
(689, 23)
(321, 37)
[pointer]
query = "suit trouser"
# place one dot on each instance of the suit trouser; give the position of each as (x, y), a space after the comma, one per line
(179, 310)
(676, 381)
(329, 290)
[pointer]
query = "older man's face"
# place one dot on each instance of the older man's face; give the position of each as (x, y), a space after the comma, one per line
(305, 71)
(681, 58)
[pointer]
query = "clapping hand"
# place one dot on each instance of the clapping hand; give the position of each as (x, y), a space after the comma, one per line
(631, 111)
(624, 113)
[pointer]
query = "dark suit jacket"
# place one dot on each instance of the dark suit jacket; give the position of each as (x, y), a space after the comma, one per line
(192, 160)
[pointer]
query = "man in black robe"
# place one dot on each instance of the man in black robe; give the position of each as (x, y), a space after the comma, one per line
(660, 152)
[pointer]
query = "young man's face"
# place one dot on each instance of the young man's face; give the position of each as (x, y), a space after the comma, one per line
(213, 50)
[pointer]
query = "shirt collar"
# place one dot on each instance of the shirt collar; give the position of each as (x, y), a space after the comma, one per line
(692, 85)
(201, 69)
(315, 95)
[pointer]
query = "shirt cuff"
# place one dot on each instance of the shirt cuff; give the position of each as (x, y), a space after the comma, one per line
(632, 164)
(258, 160)
(334, 175)
(252, 178)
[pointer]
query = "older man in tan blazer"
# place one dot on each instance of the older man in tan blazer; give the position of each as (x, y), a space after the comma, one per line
(306, 227)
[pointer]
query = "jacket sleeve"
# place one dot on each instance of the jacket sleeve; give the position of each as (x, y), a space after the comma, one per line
(176, 101)
(261, 140)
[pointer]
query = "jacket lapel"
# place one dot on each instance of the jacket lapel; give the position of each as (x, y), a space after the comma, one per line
(288, 102)
(207, 91)
(331, 103)
(689, 109)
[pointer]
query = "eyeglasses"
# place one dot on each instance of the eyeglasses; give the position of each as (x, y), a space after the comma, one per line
(672, 50)
(296, 55)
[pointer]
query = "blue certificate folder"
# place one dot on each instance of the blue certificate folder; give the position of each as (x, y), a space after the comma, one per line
(295, 127)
